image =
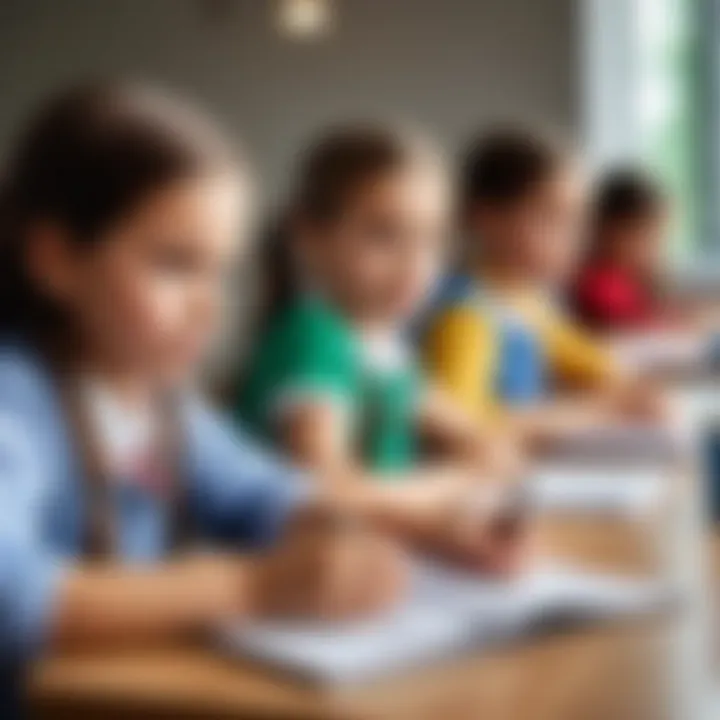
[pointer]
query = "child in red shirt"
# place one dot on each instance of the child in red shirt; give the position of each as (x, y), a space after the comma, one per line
(616, 289)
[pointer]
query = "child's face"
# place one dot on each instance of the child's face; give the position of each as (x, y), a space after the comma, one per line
(538, 236)
(147, 295)
(385, 252)
(637, 243)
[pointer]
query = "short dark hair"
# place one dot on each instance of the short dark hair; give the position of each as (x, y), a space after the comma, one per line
(502, 166)
(627, 194)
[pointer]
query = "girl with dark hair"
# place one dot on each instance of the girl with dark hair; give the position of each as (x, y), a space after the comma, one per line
(121, 209)
(332, 379)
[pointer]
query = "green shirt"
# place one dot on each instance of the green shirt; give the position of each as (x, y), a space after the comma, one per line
(311, 351)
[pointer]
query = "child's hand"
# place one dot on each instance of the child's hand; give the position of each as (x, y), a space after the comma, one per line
(643, 401)
(498, 540)
(485, 532)
(328, 568)
(505, 457)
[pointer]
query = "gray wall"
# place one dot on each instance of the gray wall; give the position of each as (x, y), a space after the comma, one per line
(444, 64)
(447, 64)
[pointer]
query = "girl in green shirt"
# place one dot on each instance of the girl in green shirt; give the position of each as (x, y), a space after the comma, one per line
(332, 379)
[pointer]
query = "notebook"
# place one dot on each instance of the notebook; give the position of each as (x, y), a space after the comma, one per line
(448, 612)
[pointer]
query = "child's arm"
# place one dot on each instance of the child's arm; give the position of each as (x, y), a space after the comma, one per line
(584, 362)
(47, 598)
(494, 449)
(427, 507)
(578, 358)
(320, 569)
(459, 355)
(110, 603)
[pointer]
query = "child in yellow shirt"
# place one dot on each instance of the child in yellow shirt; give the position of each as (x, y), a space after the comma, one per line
(498, 339)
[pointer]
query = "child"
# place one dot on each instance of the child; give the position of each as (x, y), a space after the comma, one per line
(119, 215)
(498, 338)
(616, 289)
(332, 379)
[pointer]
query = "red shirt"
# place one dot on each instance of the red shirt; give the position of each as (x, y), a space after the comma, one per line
(610, 298)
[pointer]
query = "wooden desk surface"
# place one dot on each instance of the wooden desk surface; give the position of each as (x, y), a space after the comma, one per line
(610, 674)
(613, 673)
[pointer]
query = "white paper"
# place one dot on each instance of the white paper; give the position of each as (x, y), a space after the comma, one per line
(621, 443)
(658, 350)
(566, 487)
(447, 612)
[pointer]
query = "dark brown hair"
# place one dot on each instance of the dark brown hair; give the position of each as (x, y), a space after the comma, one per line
(335, 168)
(500, 167)
(622, 195)
(91, 155)
(627, 194)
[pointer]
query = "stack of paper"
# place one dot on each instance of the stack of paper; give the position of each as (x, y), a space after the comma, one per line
(447, 612)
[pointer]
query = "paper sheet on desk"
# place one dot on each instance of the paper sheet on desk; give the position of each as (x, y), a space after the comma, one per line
(622, 444)
(663, 350)
(447, 612)
(634, 492)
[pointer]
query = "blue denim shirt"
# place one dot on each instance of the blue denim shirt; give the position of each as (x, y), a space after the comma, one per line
(237, 494)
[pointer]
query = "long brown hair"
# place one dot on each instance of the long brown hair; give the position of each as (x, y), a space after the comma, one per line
(336, 167)
(91, 154)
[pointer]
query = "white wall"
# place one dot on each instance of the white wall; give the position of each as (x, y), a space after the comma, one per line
(444, 63)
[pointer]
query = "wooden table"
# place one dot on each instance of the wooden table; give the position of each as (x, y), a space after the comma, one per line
(613, 673)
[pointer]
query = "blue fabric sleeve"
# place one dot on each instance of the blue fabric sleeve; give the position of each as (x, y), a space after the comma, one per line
(29, 571)
(242, 493)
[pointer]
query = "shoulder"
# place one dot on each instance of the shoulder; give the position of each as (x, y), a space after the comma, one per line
(603, 282)
(308, 327)
(457, 302)
(456, 288)
(32, 435)
(25, 381)
(218, 445)
(459, 318)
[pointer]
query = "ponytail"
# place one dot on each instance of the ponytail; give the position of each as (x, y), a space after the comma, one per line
(279, 277)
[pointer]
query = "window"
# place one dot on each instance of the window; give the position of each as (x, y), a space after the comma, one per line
(650, 79)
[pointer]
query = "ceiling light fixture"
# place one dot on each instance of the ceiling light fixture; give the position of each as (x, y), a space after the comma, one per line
(304, 19)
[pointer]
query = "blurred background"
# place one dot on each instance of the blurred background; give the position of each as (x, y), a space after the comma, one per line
(636, 78)
(627, 80)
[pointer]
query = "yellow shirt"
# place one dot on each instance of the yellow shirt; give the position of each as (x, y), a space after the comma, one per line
(462, 349)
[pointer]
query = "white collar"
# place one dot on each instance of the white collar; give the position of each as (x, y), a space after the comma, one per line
(384, 351)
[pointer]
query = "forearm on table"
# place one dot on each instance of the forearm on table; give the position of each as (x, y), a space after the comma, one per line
(100, 604)
(405, 504)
